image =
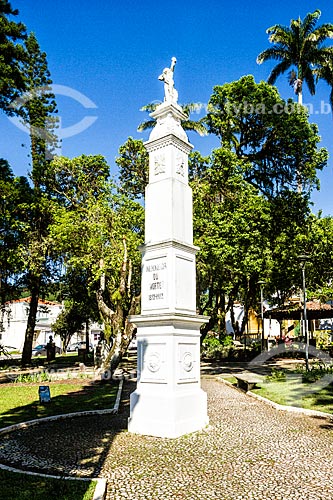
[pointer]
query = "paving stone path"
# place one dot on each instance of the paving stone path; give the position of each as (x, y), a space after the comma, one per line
(249, 451)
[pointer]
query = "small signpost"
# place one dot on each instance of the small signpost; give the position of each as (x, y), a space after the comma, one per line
(44, 394)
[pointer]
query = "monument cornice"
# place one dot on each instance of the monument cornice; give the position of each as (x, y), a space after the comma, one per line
(160, 245)
(165, 108)
(169, 318)
(168, 140)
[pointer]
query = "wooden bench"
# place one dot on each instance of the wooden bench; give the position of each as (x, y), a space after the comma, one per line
(246, 381)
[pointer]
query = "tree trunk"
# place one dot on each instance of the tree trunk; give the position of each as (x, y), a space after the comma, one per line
(300, 98)
(31, 323)
(117, 319)
(123, 331)
(87, 335)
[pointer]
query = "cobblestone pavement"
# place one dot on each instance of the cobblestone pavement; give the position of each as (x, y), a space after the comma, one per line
(249, 451)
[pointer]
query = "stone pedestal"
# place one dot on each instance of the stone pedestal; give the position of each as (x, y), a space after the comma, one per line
(168, 401)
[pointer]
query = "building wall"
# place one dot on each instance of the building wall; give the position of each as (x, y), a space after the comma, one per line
(272, 327)
(15, 323)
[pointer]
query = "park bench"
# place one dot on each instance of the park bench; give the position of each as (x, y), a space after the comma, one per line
(246, 380)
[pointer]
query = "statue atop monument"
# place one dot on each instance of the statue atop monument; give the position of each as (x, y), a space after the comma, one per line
(170, 93)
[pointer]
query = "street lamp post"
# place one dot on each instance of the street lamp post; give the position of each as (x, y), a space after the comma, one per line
(261, 283)
(302, 260)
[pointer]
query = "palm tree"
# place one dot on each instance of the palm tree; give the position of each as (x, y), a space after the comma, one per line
(298, 47)
(196, 126)
(325, 71)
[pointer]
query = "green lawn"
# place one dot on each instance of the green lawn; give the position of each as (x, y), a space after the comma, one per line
(293, 392)
(15, 486)
(20, 402)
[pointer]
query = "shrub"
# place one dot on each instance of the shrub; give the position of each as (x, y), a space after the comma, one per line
(212, 348)
(276, 376)
(317, 371)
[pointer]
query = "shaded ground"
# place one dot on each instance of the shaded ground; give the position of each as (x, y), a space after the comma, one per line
(20, 401)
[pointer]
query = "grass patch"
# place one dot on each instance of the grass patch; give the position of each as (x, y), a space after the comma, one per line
(24, 487)
(229, 378)
(289, 388)
(20, 402)
(293, 391)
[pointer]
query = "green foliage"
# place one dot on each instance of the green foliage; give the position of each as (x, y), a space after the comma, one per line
(187, 124)
(90, 224)
(12, 56)
(37, 108)
(227, 340)
(69, 321)
(231, 227)
(212, 348)
(73, 182)
(31, 378)
(317, 370)
(273, 138)
(15, 195)
(133, 164)
(250, 220)
(97, 231)
(301, 48)
(317, 243)
(325, 71)
(277, 375)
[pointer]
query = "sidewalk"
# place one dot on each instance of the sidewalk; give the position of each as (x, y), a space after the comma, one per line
(249, 451)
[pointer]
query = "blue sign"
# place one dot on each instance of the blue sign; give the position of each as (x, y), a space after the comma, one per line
(44, 394)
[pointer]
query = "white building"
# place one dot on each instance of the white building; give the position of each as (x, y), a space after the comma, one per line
(271, 326)
(15, 322)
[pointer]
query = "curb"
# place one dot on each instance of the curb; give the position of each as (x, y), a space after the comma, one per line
(101, 483)
(277, 406)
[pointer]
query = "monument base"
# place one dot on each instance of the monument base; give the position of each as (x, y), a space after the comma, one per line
(168, 400)
(168, 416)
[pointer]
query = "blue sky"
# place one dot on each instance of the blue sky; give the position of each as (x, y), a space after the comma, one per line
(105, 57)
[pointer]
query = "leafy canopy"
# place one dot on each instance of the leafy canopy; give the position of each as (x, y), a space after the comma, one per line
(273, 137)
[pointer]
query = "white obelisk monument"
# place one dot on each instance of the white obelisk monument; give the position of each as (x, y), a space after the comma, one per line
(168, 401)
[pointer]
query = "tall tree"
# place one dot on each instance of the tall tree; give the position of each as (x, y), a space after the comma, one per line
(37, 107)
(231, 227)
(318, 245)
(298, 47)
(68, 322)
(75, 290)
(244, 237)
(15, 195)
(272, 137)
(12, 56)
(98, 232)
(133, 164)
